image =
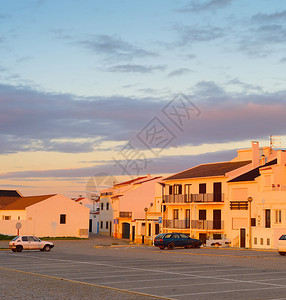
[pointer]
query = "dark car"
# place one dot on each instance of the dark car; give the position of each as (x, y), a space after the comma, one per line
(172, 240)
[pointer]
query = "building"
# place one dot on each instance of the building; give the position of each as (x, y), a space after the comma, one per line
(46, 215)
(93, 206)
(125, 207)
(106, 222)
(257, 208)
(194, 200)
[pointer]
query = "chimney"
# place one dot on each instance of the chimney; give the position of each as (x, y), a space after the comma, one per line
(255, 154)
(262, 160)
(281, 157)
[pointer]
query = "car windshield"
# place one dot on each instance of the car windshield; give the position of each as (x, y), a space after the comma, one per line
(15, 238)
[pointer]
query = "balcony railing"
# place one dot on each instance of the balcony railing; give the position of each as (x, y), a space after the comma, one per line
(208, 225)
(188, 198)
(179, 224)
(125, 214)
(183, 198)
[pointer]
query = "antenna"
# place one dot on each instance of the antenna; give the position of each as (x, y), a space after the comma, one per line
(275, 141)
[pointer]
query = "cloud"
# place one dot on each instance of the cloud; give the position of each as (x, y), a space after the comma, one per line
(262, 40)
(180, 72)
(39, 121)
(268, 18)
(198, 6)
(190, 35)
(283, 60)
(135, 68)
(114, 47)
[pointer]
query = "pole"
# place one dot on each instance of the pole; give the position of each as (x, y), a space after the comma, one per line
(145, 233)
(250, 199)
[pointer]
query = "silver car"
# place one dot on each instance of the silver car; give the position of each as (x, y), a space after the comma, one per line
(29, 242)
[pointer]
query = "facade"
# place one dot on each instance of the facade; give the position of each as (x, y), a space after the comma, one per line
(93, 206)
(47, 215)
(257, 205)
(125, 208)
(106, 223)
(196, 201)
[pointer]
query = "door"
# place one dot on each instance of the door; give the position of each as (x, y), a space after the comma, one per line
(203, 237)
(110, 228)
(90, 225)
(242, 237)
(188, 214)
(267, 218)
(125, 230)
(202, 224)
(217, 219)
(133, 233)
(217, 192)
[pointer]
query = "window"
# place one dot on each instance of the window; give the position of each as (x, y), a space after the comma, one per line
(255, 241)
(24, 238)
(268, 242)
(184, 236)
(170, 190)
(253, 222)
(202, 214)
(278, 216)
(6, 218)
(176, 214)
(177, 189)
(101, 206)
(157, 228)
(107, 206)
(202, 188)
(63, 219)
(106, 225)
(261, 241)
(101, 224)
(267, 218)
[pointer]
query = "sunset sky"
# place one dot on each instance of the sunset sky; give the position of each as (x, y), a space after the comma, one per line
(92, 90)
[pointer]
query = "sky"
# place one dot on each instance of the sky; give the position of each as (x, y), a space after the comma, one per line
(92, 92)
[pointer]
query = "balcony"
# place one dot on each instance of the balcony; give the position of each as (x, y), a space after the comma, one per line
(178, 224)
(125, 214)
(185, 198)
(207, 225)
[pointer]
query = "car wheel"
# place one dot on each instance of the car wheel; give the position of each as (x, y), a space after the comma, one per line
(196, 245)
(47, 248)
(171, 246)
(19, 249)
(162, 247)
(282, 253)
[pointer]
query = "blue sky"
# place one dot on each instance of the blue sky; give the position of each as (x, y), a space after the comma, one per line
(80, 79)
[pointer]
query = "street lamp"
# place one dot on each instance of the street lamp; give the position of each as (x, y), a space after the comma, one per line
(145, 234)
(249, 199)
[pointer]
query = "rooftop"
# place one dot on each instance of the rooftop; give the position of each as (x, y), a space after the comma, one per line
(209, 170)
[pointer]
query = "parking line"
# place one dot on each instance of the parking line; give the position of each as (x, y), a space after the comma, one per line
(89, 284)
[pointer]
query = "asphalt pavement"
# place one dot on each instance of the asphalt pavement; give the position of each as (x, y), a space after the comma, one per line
(105, 268)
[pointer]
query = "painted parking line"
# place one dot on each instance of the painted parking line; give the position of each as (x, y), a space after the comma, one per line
(89, 284)
(203, 254)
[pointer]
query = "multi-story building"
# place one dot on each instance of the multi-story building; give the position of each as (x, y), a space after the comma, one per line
(257, 208)
(132, 209)
(194, 200)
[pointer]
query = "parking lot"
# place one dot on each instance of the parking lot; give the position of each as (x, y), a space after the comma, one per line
(78, 270)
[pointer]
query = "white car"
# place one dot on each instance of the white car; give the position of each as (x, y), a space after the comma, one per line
(281, 245)
(29, 242)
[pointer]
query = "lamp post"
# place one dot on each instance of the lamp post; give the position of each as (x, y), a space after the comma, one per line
(249, 199)
(145, 233)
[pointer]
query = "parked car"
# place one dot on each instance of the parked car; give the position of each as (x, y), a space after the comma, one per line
(281, 245)
(172, 240)
(29, 242)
